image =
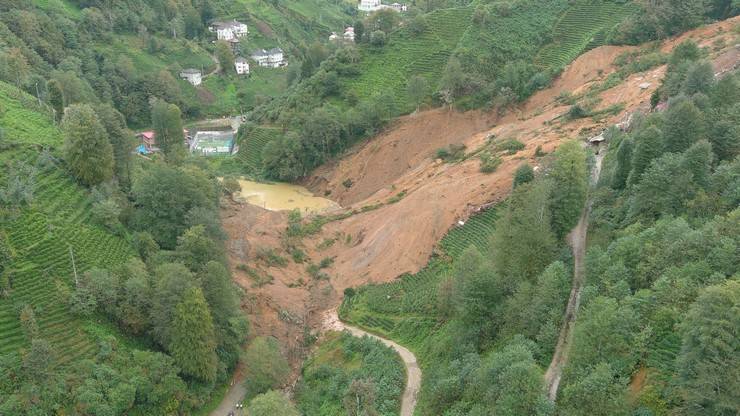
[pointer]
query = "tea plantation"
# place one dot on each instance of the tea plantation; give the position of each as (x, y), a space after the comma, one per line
(44, 236)
(586, 24)
(250, 147)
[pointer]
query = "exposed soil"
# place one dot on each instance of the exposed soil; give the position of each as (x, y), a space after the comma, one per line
(381, 244)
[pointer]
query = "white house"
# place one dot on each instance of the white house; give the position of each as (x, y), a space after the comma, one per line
(241, 65)
(229, 30)
(373, 5)
(274, 58)
(349, 34)
(192, 76)
(369, 5)
(399, 7)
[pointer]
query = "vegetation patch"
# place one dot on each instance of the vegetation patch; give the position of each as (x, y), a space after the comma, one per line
(346, 372)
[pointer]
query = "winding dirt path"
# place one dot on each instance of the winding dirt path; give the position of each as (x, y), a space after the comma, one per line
(577, 241)
(413, 372)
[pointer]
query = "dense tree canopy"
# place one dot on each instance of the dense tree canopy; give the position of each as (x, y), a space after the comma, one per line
(87, 150)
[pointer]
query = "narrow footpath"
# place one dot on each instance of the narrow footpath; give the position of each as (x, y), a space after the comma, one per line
(577, 242)
(413, 372)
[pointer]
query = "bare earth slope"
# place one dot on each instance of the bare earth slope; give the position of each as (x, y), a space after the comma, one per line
(379, 245)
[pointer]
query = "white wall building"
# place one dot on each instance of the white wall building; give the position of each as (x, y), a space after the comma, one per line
(192, 76)
(369, 5)
(273, 58)
(242, 66)
(229, 30)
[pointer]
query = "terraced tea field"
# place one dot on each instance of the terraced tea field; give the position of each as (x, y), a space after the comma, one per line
(43, 237)
(584, 25)
(250, 146)
(23, 121)
(405, 55)
(400, 308)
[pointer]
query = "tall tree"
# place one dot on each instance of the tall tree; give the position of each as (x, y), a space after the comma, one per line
(698, 161)
(524, 174)
(165, 196)
(416, 88)
(683, 125)
(193, 344)
(360, 398)
(172, 281)
(167, 122)
(56, 99)
(14, 66)
(709, 362)
(523, 243)
(225, 56)
(121, 140)
(597, 394)
(272, 403)
(266, 368)
(624, 163)
(87, 150)
(648, 146)
(570, 186)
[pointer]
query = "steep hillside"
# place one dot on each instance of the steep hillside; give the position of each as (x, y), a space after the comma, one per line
(395, 215)
(48, 240)
(126, 53)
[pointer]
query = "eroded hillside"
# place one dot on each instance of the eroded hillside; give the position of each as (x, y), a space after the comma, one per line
(405, 199)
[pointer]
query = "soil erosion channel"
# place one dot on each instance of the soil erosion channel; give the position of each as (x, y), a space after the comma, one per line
(577, 241)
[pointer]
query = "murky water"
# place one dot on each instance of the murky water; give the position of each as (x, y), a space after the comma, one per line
(283, 196)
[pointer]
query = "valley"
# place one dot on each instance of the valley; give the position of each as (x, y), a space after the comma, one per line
(312, 208)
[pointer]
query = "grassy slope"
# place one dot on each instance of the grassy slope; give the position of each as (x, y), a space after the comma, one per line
(41, 235)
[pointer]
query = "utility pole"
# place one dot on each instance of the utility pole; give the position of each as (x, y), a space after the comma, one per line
(74, 267)
(38, 96)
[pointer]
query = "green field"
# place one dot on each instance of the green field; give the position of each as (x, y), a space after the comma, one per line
(23, 121)
(222, 93)
(41, 237)
(404, 309)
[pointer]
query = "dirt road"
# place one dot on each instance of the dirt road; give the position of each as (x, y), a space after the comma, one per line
(413, 372)
(577, 241)
(235, 395)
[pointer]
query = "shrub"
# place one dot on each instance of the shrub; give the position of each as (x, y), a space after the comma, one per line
(489, 163)
(270, 257)
(451, 153)
(377, 38)
(231, 185)
(577, 112)
(510, 146)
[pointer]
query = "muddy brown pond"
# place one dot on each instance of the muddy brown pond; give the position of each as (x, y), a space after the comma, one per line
(283, 197)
